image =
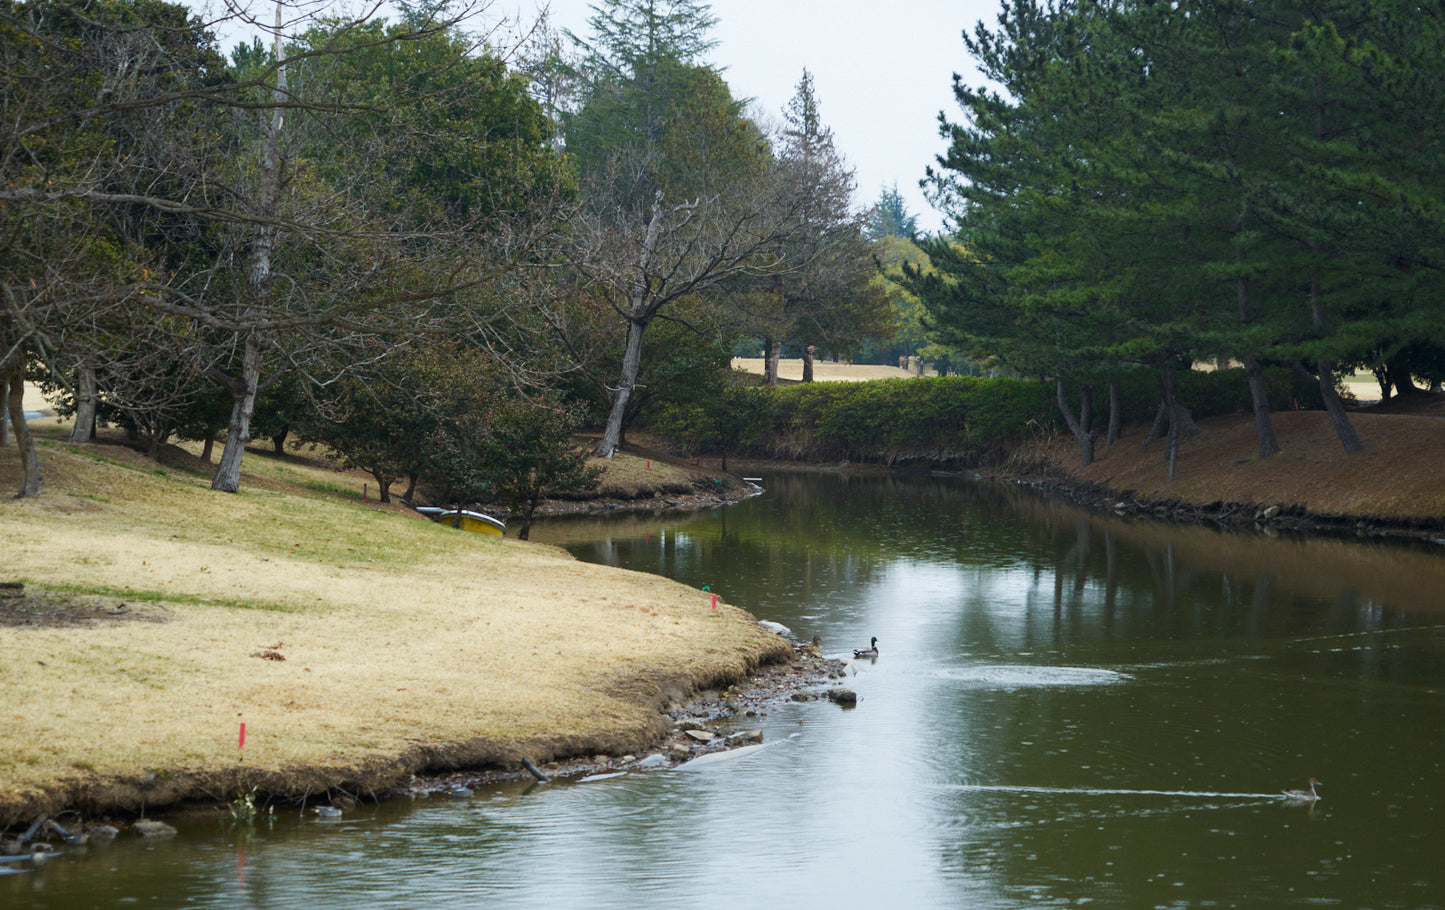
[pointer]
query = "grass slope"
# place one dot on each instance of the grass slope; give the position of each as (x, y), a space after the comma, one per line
(1396, 479)
(358, 644)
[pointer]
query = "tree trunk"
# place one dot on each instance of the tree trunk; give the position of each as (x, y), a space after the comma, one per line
(238, 431)
(410, 488)
(258, 284)
(278, 442)
(1344, 429)
(208, 447)
(5, 412)
(1161, 419)
(24, 442)
(1382, 376)
(631, 365)
(772, 350)
(808, 353)
(159, 434)
(1397, 371)
(1082, 425)
(1116, 413)
(1258, 392)
(1259, 400)
(85, 404)
(529, 509)
(1325, 370)
(1171, 401)
(383, 485)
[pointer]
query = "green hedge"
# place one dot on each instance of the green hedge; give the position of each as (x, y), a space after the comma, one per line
(956, 419)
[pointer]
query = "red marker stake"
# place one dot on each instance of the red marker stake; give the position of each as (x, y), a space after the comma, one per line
(242, 743)
(714, 601)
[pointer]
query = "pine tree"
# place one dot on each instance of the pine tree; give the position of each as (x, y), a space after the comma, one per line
(891, 217)
(631, 37)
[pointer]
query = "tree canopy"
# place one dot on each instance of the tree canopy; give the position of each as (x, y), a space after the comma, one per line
(1157, 184)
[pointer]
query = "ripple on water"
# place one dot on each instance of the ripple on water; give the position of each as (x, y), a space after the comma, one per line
(1018, 676)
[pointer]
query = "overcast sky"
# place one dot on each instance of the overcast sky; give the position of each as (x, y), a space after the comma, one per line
(882, 71)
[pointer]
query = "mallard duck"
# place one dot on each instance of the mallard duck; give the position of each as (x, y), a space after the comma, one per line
(870, 651)
(1303, 796)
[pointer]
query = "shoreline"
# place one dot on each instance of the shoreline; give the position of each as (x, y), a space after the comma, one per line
(710, 712)
(691, 729)
(146, 620)
(643, 701)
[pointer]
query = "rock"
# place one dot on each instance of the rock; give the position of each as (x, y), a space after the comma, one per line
(460, 793)
(804, 696)
(327, 812)
(845, 697)
(746, 736)
(689, 724)
(151, 828)
(701, 736)
(776, 628)
(601, 759)
(679, 751)
(1269, 513)
(655, 760)
(103, 832)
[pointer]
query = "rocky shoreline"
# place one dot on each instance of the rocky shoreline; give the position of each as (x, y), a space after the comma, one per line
(708, 724)
(1266, 518)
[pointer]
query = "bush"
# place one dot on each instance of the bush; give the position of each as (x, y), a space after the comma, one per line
(958, 419)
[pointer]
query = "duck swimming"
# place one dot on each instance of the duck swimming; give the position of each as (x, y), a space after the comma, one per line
(870, 651)
(1303, 796)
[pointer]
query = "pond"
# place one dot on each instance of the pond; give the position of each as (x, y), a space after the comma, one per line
(1067, 710)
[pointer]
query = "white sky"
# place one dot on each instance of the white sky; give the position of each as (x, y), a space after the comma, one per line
(882, 71)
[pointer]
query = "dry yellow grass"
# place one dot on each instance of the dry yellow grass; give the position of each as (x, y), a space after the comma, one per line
(1396, 478)
(407, 646)
(823, 370)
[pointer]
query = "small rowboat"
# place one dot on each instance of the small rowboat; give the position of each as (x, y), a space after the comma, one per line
(475, 522)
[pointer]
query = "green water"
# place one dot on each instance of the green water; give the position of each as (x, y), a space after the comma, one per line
(1067, 710)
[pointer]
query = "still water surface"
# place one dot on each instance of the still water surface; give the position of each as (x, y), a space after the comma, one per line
(1068, 710)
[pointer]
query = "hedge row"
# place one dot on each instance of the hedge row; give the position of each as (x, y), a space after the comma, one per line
(956, 419)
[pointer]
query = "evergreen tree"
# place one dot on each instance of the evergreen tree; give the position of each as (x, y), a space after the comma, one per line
(827, 296)
(891, 217)
(632, 37)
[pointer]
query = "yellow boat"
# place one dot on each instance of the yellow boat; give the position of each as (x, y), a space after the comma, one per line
(475, 522)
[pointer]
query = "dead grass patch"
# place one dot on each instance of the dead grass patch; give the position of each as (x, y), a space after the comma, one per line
(1396, 478)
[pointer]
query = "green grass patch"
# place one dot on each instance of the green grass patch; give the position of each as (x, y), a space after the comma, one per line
(145, 595)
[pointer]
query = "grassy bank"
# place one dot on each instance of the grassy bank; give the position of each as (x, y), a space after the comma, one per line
(357, 644)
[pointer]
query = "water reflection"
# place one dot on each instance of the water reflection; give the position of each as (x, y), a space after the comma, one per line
(1068, 709)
